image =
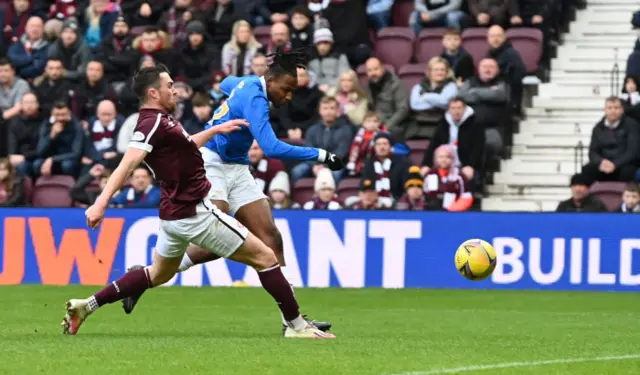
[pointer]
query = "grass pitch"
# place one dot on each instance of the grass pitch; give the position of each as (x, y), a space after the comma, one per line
(236, 331)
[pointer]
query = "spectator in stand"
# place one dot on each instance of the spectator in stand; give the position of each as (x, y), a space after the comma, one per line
(348, 21)
(487, 94)
(175, 21)
(221, 19)
(13, 20)
(458, 129)
(351, 97)
(216, 96)
(301, 27)
(531, 13)
(59, 11)
(302, 111)
(379, 13)
(29, 54)
(581, 200)
(102, 136)
(430, 98)
(333, 134)
(368, 198)
(436, 13)
(362, 146)
(92, 90)
(79, 192)
(153, 43)
(509, 61)
(12, 90)
(446, 188)
(60, 145)
(184, 107)
(325, 62)
(116, 55)
(52, 86)
(280, 39)
(202, 112)
(325, 197)
(614, 146)
(280, 193)
(457, 57)
(129, 102)
(263, 170)
(144, 12)
(198, 58)
(413, 199)
(387, 96)
(142, 193)
(630, 199)
(259, 65)
(272, 12)
(99, 18)
(23, 134)
(387, 171)
(485, 13)
(11, 190)
(71, 50)
(631, 98)
(238, 53)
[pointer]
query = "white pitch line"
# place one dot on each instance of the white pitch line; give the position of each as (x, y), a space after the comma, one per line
(520, 364)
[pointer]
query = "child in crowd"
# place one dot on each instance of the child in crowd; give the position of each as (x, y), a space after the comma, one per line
(445, 187)
(301, 27)
(414, 199)
(630, 199)
(362, 145)
(280, 192)
(11, 193)
(325, 197)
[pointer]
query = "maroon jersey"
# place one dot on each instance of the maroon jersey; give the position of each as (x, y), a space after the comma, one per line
(174, 160)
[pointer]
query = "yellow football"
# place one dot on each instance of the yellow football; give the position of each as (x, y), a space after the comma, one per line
(476, 259)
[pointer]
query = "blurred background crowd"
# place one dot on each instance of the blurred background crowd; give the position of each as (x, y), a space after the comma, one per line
(421, 99)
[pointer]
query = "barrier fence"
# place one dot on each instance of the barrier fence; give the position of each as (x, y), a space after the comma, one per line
(342, 249)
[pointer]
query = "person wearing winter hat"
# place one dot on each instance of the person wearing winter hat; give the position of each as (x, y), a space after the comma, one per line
(113, 52)
(414, 199)
(581, 199)
(325, 197)
(198, 57)
(328, 65)
(280, 192)
(71, 49)
(368, 198)
(445, 187)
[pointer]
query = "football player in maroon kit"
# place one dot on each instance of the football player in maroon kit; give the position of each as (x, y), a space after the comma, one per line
(186, 213)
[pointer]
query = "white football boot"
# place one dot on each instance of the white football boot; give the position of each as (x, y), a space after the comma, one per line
(77, 312)
(308, 332)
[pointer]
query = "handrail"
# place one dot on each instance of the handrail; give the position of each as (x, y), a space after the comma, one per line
(578, 157)
(614, 83)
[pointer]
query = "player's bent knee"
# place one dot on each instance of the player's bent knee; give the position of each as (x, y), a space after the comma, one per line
(266, 258)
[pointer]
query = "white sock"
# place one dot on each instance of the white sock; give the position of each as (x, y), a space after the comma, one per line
(93, 304)
(185, 264)
(298, 323)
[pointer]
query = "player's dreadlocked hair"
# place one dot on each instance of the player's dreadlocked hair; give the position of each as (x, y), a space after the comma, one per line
(286, 63)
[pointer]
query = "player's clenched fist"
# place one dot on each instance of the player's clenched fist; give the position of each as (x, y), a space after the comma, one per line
(94, 215)
(230, 126)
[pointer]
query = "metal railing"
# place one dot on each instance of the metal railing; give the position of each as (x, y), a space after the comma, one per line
(578, 157)
(614, 83)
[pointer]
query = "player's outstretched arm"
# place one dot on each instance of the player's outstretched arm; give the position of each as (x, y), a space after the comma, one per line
(227, 127)
(131, 159)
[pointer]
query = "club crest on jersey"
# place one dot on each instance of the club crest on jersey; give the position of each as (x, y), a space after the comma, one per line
(137, 137)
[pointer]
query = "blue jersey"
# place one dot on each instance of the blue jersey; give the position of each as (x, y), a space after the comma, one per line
(247, 99)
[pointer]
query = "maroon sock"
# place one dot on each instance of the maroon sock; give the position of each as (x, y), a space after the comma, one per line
(131, 284)
(273, 281)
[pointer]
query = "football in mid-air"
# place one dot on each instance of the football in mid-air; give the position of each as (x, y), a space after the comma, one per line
(476, 259)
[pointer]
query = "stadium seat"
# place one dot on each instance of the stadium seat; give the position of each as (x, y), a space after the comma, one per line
(528, 41)
(633, 64)
(411, 74)
(138, 30)
(394, 45)
(610, 193)
(52, 191)
(362, 73)
(348, 187)
(262, 34)
(474, 40)
(429, 44)
(372, 38)
(303, 190)
(401, 12)
(27, 189)
(418, 148)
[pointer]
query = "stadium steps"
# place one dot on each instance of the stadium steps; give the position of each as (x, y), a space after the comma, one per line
(565, 110)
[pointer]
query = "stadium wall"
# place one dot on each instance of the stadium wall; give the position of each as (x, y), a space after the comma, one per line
(342, 249)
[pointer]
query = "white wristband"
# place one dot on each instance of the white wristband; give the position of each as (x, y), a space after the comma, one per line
(322, 155)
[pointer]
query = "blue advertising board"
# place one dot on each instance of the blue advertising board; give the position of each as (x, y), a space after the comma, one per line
(342, 249)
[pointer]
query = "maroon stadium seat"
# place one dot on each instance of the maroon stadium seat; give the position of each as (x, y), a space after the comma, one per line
(27, 189)
(362, 73)
(401, 12)
(411, 74)
(348, 187)
(429, 44)
(418, 148)
(372, 38)
(303, 190)
(138, 30)
(52, 191)
(262, 34)
(528, 42)
(394, 45)
(610, 193)
(474, 40)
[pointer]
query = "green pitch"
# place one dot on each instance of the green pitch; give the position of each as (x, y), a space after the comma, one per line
(236, 331)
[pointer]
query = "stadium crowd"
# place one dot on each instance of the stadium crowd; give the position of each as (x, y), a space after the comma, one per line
(419, 98)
